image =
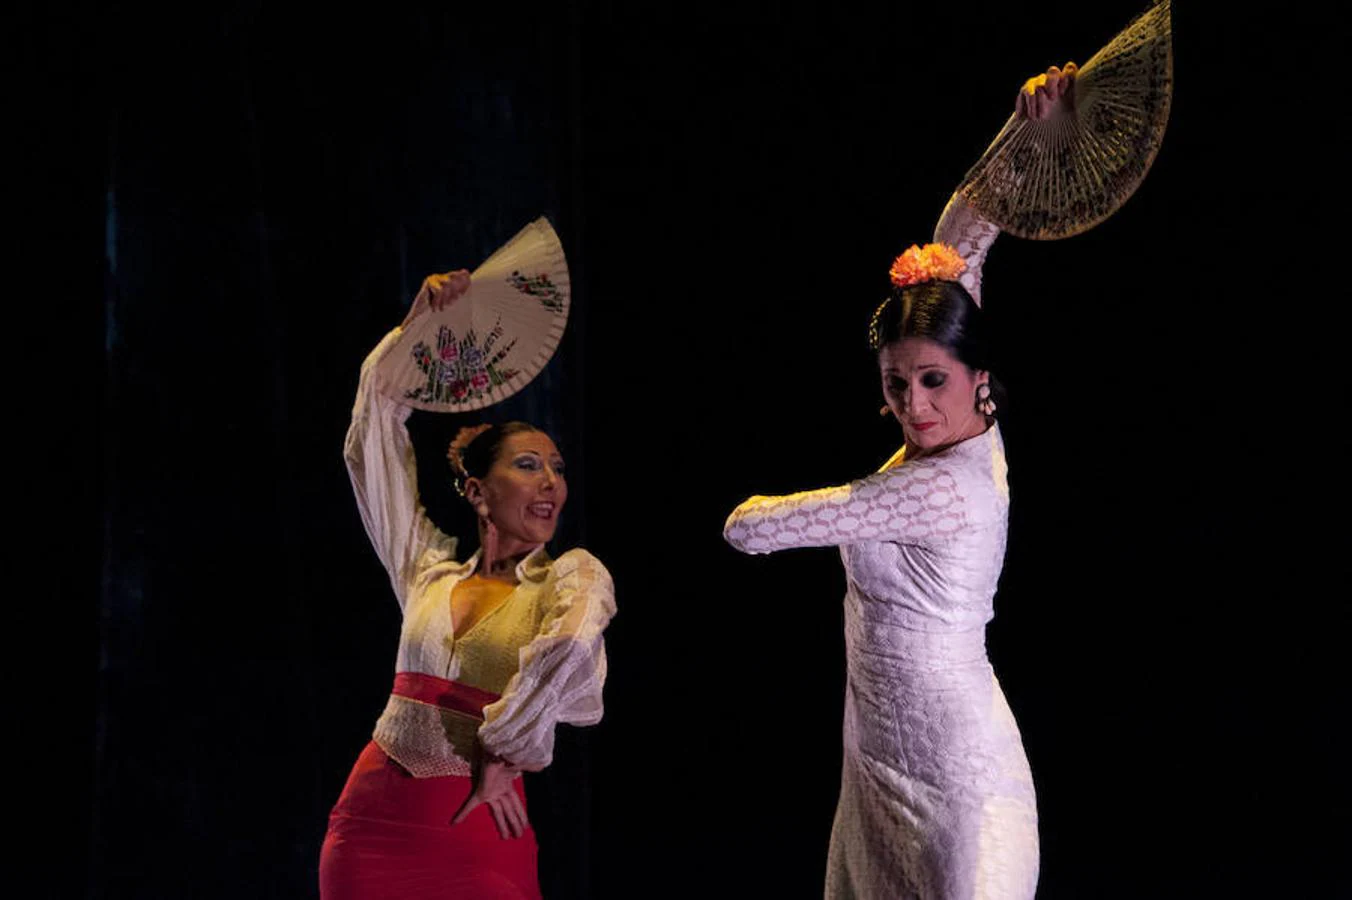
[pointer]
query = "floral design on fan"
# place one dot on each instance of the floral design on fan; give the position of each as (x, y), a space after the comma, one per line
(539, 287)
(461, 369)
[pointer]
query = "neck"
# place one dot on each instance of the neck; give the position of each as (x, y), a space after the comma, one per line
(501, 554)
(500, 570)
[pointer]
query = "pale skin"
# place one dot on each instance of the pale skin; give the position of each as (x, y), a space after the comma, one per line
(931, 393)
(518, 502)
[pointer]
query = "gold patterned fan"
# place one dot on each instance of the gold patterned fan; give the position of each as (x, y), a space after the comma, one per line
(489, 343)
(1056, 177)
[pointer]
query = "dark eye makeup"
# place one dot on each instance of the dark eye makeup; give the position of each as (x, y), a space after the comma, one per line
(928, 380)
(531, 463)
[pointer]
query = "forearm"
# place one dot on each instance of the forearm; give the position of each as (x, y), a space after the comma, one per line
(963, 229)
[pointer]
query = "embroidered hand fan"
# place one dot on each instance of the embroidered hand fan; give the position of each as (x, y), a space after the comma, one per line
(494, 339)
(1059, 176)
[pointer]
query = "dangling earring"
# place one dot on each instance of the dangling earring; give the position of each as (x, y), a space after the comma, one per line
(488, 534)
(489, 545)
(885, 410)
(985, 403)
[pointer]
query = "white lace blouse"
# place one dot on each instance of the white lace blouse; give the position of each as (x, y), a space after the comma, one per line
(541, 649)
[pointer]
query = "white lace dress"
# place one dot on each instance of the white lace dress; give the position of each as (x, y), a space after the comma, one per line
(936, 796)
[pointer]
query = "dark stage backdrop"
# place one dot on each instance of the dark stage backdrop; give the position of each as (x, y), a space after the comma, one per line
(269, 188)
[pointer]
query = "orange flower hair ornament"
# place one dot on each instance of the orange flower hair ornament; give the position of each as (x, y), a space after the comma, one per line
(456, 453)
(932, 262)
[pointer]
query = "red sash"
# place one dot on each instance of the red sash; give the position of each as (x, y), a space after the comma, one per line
(440, 692)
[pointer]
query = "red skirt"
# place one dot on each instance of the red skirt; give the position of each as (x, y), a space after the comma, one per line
(389, 839)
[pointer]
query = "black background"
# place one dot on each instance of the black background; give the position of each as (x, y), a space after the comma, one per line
(234, 202)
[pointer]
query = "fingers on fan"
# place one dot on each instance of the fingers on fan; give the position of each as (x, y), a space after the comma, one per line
(483, 343)
(1059, 176)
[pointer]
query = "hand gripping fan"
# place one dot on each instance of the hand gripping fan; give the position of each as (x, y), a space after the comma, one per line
(494, 339)
(1057, 177)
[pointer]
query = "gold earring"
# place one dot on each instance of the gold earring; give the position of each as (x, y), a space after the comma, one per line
(884, 411)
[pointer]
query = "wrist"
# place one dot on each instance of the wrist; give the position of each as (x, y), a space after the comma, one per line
(488, 757)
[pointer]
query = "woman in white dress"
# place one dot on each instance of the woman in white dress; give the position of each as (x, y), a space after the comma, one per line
(936, 795)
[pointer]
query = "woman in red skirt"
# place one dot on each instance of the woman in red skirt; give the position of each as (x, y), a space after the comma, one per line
(493, 653)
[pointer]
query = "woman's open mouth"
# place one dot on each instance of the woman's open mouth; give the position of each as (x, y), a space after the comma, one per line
(542, 510)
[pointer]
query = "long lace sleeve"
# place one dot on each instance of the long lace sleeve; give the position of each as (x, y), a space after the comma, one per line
(921, 502)
(379, 457)
(563, 668)
(962, 228)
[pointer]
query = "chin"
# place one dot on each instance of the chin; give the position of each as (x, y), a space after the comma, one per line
(543, 535)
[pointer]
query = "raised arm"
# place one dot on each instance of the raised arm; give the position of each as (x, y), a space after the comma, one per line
(562, 671)
(380, 462)
(920, 502)
(962, 227)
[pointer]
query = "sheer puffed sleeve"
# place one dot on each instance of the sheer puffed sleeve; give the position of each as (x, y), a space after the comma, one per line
(379, 457)
(962, 228)
(923, 502)
(563, 668)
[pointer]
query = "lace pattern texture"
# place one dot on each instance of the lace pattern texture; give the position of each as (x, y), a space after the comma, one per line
(936, 797)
